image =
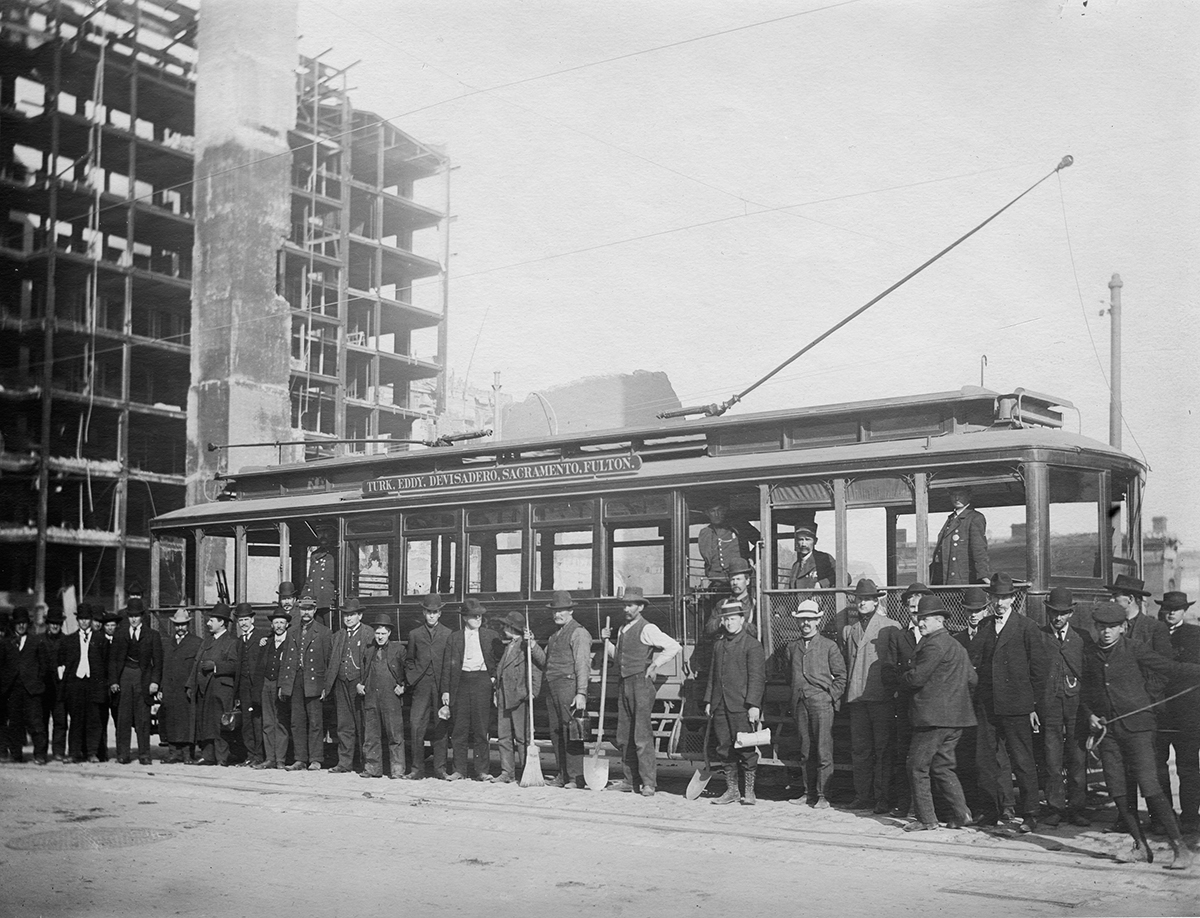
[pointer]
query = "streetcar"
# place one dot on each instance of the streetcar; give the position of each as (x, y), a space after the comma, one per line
(595, 513)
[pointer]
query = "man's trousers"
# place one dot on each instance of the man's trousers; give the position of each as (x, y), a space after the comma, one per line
(635, 734)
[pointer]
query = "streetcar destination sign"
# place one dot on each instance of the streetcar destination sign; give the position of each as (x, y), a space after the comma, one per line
(599, 467)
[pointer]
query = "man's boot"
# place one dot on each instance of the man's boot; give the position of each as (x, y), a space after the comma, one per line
(731, 794)
(1141, 849)
(748, 798)
(1160, 807)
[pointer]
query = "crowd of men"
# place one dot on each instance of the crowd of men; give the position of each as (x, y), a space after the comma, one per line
(1007, 703)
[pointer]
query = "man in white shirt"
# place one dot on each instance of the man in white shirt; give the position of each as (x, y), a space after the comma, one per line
(472, 673)
(642, 649)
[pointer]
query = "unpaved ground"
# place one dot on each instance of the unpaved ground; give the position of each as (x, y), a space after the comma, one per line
(231, 841)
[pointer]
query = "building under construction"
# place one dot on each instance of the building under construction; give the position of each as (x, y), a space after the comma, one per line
(104, 295)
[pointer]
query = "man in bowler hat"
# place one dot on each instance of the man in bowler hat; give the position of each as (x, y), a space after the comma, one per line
(27, 671)
(135, 672)
(249, 684)
(1179, 718)
(426, 672)
(568, 672)
(1064, 733)
(341, 680)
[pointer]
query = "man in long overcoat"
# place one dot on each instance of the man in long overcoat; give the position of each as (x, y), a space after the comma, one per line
(871, 702)
(961, 554)
(427, 675)
(135, 671)
(176, 711)
(212, 685)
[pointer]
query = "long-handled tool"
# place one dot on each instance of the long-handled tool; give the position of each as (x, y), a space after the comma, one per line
(702, 776)
(531, 774)
(595, 768)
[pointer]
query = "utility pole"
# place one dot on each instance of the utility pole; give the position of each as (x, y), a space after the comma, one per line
(1114, 405)
(497, 414)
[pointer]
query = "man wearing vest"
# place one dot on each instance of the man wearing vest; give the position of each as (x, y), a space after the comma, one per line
(274, 711)
(342, 680)
(425, 671)
(305, 663)
(1064, 733)
(568, 671)
(135, 672)
(818, 677)
(642, 649)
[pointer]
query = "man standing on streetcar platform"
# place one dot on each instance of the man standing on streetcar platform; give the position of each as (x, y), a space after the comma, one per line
(721, 542)
(961, 554)
(812, 569)
(642, 649)
(1121, 680)
(733, 699)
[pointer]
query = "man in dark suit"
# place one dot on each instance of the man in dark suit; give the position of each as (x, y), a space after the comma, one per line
(27, 670)
(176, 712)
(85, 681)
(248, 690)
(1011, 659)
(305, 662)
(427, 675)
(1064, 734)
(1179, 720)
(961, 554)
(342, 679)
(135, 672)
(381, 689)
(55, 700)
(513, 694)
(272, 652)
(818, 678)
(109, 623)
(899, 648)
(942, 676)
(212, 685)
(472, 652)
(734, 699)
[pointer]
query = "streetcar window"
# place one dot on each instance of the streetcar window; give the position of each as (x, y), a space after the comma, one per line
(425, 520)
(1007, 535)
(371, 566)
(785, 523)
(563, 510)
(262, 565)
(494, 561)
(564, 559)
(731, 520)
(1074, 516)
(429, 564)
(866, 544)
(1122, 526)
(638, 557)
(643, 505)
(371, 524)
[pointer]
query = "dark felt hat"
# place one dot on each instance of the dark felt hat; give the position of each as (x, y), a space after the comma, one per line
(635, 594)
(916, 589)
(220, 610)
(55, 617)
(352, 605)
(279, 612)
(472, 606)
(974, 599)
(135, 607)
(133, 587)
(516, 621)
(1126, 584)
(561, 599)
(85, 610)
(113, 616)
(1108, 613)
(432, 603)
(243, 610)
(1060, 600)
(1172, 600)
(866, 589)
(931, 605)
(20, 615)
(381, 620)
(1000, 585)
(736, 566)
(286, 589)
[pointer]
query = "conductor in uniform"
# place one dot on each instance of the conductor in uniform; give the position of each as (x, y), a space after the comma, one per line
(961, 554)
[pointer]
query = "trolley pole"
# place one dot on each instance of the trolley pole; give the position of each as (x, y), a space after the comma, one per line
(1114, 405)
(497, 413)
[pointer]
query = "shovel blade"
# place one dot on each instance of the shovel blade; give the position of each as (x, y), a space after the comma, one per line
(595, 772)
(700, 779)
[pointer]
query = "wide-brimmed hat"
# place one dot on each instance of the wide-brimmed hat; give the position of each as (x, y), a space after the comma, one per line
(55, 617)
(432, 603)
(472, 606)
(1126, 584)
(560, 600)
(1060, 600)
(732, 607)
(930, 605)
(279, 612)
(220, 610)
(736, 566)
(184, 617)
(286, 589)
(135, 607)
(634, 594)
(1000, 585)
(807, 608)
(516, 621)
(1172, 600)
(974, 599)
(866, 589)
(916, 589)
(20, 615)
(352, 606)
(243, 610)
(381, 620)
(1107, 613)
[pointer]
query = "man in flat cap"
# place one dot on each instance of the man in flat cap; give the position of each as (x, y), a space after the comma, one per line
(1013, 664)
(811, 569)
(1179, 718)
(512, 694)
(472, 652)
(1120, 680)
(961, 554)
(85, 681)
(248, 691)
(1064, 732)
(382, 691)
(342, 679)
(176, 711)
(568, 672)
(818, 677)
(305, 664)
(642, 649)
(872, 705)
(135, 672)
(275, 711)
(942, 675)
(426, 671)
(27, 671)
(211, 686)
(733, 699)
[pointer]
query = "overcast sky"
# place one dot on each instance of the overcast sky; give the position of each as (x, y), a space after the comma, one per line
(713, 184)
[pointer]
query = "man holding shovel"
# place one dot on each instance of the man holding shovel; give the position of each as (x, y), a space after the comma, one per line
(642, 649)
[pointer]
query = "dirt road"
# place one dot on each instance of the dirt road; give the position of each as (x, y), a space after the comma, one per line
(179, 840)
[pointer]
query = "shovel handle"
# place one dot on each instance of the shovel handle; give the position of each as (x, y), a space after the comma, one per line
(707, 732)
(603, 687)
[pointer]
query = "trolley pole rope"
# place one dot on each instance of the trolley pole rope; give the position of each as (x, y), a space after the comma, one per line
(1095, 740)
(717, 410)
